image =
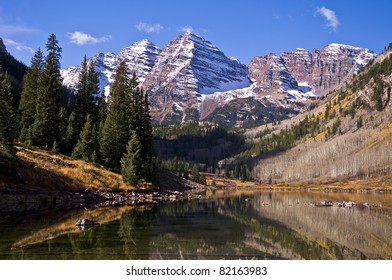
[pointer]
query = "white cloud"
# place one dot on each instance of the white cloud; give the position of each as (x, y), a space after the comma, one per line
(149, 28)
(13, 29)
(80, 38)
(330, 16)
(186, 28)
(19, 46)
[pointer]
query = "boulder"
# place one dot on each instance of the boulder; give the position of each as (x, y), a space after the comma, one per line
(86, 222)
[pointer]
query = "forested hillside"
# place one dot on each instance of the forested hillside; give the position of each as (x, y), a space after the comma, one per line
(346, 134)
(116, 134)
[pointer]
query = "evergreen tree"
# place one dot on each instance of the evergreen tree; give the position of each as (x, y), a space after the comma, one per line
(7, 117)
(93, 90)
(131, 162)
(136, 109)
(116, 130)
(95, 136)
(80, 111)
(63, 130)
(102, 107)
(195, 173)
(70, 133)
(85, 147)
(23, 134)
(236, 172)
(46, 123)
(147, 137)
(244, 173)
(28, 101)
(87, 88)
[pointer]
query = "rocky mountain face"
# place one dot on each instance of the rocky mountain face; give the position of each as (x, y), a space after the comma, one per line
(140, 58)
(283, 84)
(187, 68)
(302, 72)
(190, 79)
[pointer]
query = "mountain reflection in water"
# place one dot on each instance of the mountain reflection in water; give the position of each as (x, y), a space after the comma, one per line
(227, 225)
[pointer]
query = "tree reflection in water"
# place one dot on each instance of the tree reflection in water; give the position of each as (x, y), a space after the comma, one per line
(229, 225)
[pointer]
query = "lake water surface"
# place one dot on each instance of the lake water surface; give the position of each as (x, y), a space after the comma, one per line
(225, 225)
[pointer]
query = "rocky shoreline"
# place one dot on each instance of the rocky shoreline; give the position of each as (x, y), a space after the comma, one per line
(20, 202)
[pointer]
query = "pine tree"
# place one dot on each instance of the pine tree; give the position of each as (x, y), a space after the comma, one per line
(7, 117)
(131, 162)
(102, 107)
(85, 147)
(195, 173)
(147, 137)
(80, 111)
(244, 173)
(23, 134)
(63, 130)
(46, 123)
(87, 88)
(95, 137)
(70, 133)
(93, 90)
(28, 101)
(236, 172)
(136, 109)
(116, 130)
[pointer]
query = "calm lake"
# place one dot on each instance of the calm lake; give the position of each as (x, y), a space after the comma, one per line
(225, 225)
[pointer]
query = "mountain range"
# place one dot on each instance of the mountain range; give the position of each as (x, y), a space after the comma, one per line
(190, 79)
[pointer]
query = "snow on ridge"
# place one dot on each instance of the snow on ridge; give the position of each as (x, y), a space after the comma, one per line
(227, 96)
(140, 57)
(244, 82)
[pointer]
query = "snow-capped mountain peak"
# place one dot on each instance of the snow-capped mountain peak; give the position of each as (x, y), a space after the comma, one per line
(191, 78)
(190, 62)
(140, 57)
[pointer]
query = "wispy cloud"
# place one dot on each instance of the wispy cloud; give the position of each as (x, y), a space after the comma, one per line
(13, 29)
(19, 46)
(80, 38)
(149, 28)
(186, 28)
(330, 16)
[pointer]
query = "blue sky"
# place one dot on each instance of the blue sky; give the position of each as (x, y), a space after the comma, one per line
(242, 29)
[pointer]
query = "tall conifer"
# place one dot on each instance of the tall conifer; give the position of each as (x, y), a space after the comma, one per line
(7, 117)
(85, 147)
(46, 123)
(28, 101)
(102, 107)
(87, 89)
(147, 138)
(131, 162)
(80, 111)
(93, 90)
(116, 132)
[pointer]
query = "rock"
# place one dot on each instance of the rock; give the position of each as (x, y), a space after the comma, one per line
(326, 203)
(349, 203)
(302, 71)
(86, 222)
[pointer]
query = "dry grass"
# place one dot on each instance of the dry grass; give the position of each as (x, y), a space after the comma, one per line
(76, 173)
(382, 183)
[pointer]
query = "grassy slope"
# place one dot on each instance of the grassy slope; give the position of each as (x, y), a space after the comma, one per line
(38, 170)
